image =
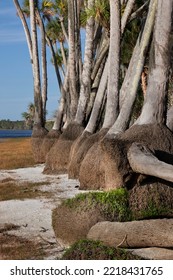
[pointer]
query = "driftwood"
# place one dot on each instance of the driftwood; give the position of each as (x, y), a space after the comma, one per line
(134, 234)
(142, 160)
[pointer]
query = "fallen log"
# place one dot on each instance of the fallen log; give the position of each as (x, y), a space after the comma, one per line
(134, 234)
(142, 160)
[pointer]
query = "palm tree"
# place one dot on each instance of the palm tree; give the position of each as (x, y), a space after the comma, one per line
(29, 116)
(72, 59)
(55, 34)
(40, 92)
(39, 121)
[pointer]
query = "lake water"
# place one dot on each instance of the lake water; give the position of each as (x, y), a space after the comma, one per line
(10, 133)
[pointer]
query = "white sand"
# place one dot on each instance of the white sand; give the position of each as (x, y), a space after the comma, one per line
(34, 215)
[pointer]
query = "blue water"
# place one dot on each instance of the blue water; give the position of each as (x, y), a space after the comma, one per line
(15, 133)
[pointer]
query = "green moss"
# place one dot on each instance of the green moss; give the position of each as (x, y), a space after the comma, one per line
(111, 204)
(155, 211)
(95, 250)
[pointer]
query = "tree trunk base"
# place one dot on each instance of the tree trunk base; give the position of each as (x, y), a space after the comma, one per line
(80, 148)
(91, 176)
(58, 157)
(152, 198)
(48, 142)
(38, 135)
(106, 165)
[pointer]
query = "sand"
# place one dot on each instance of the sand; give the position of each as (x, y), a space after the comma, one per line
(34, 215)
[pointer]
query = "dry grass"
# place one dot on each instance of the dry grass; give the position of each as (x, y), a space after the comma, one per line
(22, 190)
(16, 153)
(17, 248)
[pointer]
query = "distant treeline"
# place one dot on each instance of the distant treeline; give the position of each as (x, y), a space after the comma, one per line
(8, 124)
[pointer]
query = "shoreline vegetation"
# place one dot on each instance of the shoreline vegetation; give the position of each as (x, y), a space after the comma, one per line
(21, 125)
(8, 124)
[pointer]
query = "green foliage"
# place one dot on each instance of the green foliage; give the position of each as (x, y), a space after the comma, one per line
(25, 8)
(129, 41)
(61, 7)
(101, 13)
(95, 250)
(113, 204)
(54, 30)
(29, 116)
(59, 58)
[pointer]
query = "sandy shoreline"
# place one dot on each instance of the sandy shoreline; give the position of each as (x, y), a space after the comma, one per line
(34, 216)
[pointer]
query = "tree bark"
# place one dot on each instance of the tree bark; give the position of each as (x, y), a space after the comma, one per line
(87, 68)
(130, 83)
(98, 101)
(38, 119)
(143, 161)
(72, 59)
(63, 55)
(169, 121)
(112, 104)
(154, 109)
(43, 64)
(59, 115)
(140, 10)
(102, 53)
(127, 12)
(94, 90)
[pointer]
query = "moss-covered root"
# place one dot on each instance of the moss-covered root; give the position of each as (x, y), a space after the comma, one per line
(87, 209)
(96, 250)
(113, 205)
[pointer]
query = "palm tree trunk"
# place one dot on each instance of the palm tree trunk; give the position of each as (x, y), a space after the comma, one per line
(94, 90)
(154, 109)
(63, 28)
(38, 120)
(127, 12)
(87, 68)
(91, 126)
(102, 53)
(72, 59)
(112, 105)
(130, 84)
(44, 64)
(169, 121)
(63, 55)
(59, 115)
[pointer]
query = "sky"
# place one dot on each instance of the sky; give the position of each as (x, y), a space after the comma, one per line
(16, 80)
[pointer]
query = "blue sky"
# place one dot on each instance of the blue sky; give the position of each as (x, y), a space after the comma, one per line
(16, 81)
